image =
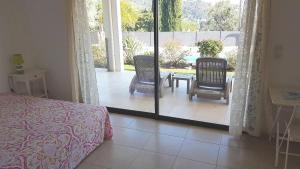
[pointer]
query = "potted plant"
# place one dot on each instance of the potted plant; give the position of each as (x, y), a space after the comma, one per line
(18, 61)
(210, 47)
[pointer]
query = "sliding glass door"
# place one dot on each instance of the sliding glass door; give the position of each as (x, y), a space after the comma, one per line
(198, 43)
(146, 57)
(122, 34)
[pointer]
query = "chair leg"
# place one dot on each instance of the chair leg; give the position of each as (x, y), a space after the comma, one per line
(170, 80)
(191, 92)
(190, 96)
(287, 150)
(277, 145)
(132, 85)
(172, 85)
(161, 85)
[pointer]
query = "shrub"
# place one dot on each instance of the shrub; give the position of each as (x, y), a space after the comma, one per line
(173, 54)
(99, 55)
(149, 53)
(131, 46)
(210, 48)
(231, 59)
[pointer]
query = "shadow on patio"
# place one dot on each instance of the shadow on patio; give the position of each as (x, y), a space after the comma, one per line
(114, 92)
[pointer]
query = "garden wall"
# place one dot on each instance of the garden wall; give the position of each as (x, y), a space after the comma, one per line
(229, 38)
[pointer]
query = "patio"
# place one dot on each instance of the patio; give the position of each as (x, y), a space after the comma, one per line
(114, 92)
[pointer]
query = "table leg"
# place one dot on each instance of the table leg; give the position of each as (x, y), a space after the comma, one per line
(277, 145)
(45, 87)
(187, 86)
(28, 88)
(177, 83)
(275, 121)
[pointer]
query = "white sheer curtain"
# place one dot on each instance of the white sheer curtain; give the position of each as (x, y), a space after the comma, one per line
(248, 90)
(83, 70)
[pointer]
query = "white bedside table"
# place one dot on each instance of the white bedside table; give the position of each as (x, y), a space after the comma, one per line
(27, 78)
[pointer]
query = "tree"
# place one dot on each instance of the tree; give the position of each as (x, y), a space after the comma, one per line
(223, 16)
(210, 47)
(189, 26)
(170, 15)
(129, 15)
(145, 22)
(195, 10)
(99, 16)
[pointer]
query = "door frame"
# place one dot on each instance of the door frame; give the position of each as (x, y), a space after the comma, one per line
(156, 115)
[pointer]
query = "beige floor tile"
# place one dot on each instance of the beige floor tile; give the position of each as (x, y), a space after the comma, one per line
(164, 144)
(173, 129)
(236, 158)
(86, 165)
(293, 163)
(181, 163)
(120, 120)
(145, 124)
(113, 156)
(231, 141)
(205, 134)
(160, 149)
(199, 151)
(219, 167)
(161, 127)
(255, 143)
(150, 160)
(130, 137)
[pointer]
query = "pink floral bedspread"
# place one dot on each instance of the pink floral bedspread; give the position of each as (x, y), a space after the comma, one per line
(39, 133)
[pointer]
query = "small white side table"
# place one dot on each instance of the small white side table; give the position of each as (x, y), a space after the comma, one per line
(28, 77)
(278, 99)
(281, 97)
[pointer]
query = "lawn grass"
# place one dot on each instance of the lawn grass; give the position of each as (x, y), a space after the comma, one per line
(177, 71)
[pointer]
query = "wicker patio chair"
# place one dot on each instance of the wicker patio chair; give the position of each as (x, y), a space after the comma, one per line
(211, 78)
(143, 81)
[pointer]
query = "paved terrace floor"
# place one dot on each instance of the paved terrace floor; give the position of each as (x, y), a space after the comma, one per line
(114, 92)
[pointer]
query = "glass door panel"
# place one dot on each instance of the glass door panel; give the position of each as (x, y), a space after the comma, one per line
(121, 30)
(189, 31)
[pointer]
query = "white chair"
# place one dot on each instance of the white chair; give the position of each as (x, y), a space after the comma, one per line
(291, 133)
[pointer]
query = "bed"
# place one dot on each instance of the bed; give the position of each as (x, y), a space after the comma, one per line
(38, 133)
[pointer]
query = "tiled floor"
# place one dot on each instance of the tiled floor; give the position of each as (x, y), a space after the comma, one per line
(114, 85)
(140, 143)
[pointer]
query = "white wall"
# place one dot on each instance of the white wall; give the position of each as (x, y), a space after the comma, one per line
(283, 61)
(14, 38)
(37, 29)
(47, 21)
(284, 58)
